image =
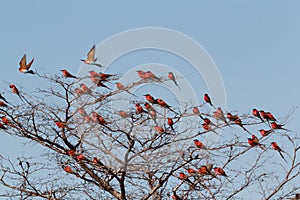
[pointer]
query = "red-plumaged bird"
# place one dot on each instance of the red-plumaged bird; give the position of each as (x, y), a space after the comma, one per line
(159, 129)
(85, 89)
(191, 171)
(24, 68)
(162, 103)
(82, 112)
(198, 144)
(99, 119)
(124, 114)
(196, 110)
(206, 121)
(264, 132)
(237, 120)
(91, 60)
(2, 126)
(219, 115)
(152, 113)
(277, 148)
(5, 120)
(68, 169)
(206, 127)
(219, 171)
(171, 123)
(263, 114)
(80, 157)
(14, 89)
(71, 153)
(255, 113)
(232, 117)
(150, 75)
(120, 86)
(94, 76)
(207, 99)
(139, 109)
(101, 84)
(2, 104)
(184, 177)
(67, 74)
(270, 117)
(96, 161)
(150, 99)
(274, 125)
(254, 142)
(141, 74)
(61, 124)
(172, 77)
(148, 106)
(203, 170)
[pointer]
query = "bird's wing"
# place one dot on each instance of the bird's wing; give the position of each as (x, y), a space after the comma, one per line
(91, 54)
(23, 62)
(29, 64)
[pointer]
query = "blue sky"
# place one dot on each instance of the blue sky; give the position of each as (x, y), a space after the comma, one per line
(255, 44)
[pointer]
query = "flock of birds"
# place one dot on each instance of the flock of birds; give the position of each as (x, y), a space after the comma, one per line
(100, 78)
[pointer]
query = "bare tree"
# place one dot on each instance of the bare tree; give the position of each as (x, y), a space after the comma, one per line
(94, 151)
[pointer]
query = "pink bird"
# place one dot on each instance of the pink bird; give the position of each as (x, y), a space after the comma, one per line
(172, 77)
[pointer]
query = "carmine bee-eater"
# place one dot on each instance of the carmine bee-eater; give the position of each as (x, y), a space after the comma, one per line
(274, 125)
(255, 113)
(82, 112)
(14, 89)
(104, 77)
(91, 60)
(68, 169)
(172, 77)
(270, 117)
(2, 104)
(151, 76)
(207, 99)
(236, 119)
(163, 104)
(71, 153)
(254, 142)
(196, 111)
(96, 161)
(5, 120)
(85, 89)
(141, 74)
(99, 119)
(171, 123)
(277, 148)
(80, 157)
(94, 76)
(150, 99)
(61, 124)
(139, 109)
(24, 68)
(206, 127)
(198, 144)
(184, 177)
(159, 129)
(120, 86)
(263, 114)
(124, 114)
(219, 171)
(219, 115)
(264, 132)
(1, 97)
(191, 171)
(67, 74)
(203, 170)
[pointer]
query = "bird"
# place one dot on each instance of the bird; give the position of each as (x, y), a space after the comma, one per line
(171, 123)
(1, 97)
(120, 86)
(2, 104)
(150, 75)
(141, 74)
(61, 124)
(124, 114)
(274, 125)
(196, 110)
(264, 132)
(255, 113)
(198, 144)
(101, 84)
(14, 89)
(68, 169)
(139, 109)
(236, 119)
(203, 170)
(191, 171)
(184, 177)
(94, 76)
(24, 68)
(159, 129)
(84, 89)
(5, 120)
(172, 77)
(270, 117)
(219, 171)
(80, 157)
(277, 148)
(104, 77)
(254, 142)
(67, 74)
(207, 99)
(219, 115)
(91, 60)
(150, 99)
(99, 119)
(163, 104)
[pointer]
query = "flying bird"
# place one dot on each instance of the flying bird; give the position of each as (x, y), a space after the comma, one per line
(91, 60)
(24, 68)
(67, 74)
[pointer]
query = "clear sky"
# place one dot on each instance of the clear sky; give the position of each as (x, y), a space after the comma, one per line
(255, 44)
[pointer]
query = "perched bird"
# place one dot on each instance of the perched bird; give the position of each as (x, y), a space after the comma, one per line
(96, 161)
(203, 170)
(219, 171)
(277, 148)
(219, 115)
(159, 129)
(68, 169)
(71, 153)
(139, 109)
(198, 144)
(14, 89)
(80, 157)
(191, 171)
(2, 126)
(265, 132)
(274, 125)
(24, 68)
(254, 142)
(270, 117)
(94, 76)
(236, 119)
(1, 97)
(255, 113)
(99, 119)
(61, 124)
(171, 123)
(2, 104)
(172, 77)
(5, 120)
(196, 111)
(124, 114)
(104, 77)
(263, 114)
(85, 89)
(91, 60)
(207, 99)
(184, 177)
(150, 75)
(120, 86)
(150, 99)
(67, 74)
(101, 84)
(141, 74)
(163, 104)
